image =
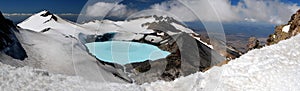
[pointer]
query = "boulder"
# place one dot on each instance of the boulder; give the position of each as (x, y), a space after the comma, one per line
(253, 43)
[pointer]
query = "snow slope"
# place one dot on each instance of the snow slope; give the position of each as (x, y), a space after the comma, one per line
(138, 25)
(132, 26)
(29, 79)
(275, 68)
(58, 50)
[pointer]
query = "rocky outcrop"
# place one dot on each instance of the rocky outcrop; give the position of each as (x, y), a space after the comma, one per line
(253, 43)
(286, 31)
(9, 43)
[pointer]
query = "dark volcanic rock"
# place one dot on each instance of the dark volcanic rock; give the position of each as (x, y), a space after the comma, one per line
(294, 29)
(9, 44)
(49, 14)
(188, 56)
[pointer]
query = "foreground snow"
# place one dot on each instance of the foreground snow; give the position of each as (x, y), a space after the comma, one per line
(28, 79)
(272, 68)
(275, 67)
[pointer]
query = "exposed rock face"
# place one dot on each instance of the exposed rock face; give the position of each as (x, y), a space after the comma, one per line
(188, 56)
(286, 31)
(49, 14)
(9, 44)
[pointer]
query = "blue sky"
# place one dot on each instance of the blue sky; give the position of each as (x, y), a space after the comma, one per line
(75, 6)
(32, 6)
(61, 6)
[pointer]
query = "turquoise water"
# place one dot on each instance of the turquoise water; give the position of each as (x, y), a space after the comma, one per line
(122, 52)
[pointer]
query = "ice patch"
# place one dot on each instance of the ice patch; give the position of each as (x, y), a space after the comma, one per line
(286, 28)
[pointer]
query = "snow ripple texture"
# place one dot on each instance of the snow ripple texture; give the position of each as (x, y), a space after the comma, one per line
(275, 68)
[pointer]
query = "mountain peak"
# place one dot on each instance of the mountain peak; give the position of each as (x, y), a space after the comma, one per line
(40, 21)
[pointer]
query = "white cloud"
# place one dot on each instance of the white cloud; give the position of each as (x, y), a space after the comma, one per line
(180, 10)
(170, 8)
(102, 9)
(273, 11)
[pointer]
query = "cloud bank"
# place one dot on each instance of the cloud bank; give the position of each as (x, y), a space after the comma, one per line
(102, 9)
(272, 11)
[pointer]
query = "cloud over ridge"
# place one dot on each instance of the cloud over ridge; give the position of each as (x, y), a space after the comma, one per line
(272, 11)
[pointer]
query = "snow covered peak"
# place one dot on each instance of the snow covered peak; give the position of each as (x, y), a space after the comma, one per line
(38, 22)
(48, 23)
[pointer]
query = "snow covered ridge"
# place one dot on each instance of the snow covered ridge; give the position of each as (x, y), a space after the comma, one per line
(48, 23)
(44, 19)
(135, 25)
(29, 79)
(272, 68)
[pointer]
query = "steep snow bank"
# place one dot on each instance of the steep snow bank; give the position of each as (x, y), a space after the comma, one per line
(275, 67)
(272, 68)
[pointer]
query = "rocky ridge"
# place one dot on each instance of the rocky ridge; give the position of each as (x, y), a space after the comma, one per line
(285, 31)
